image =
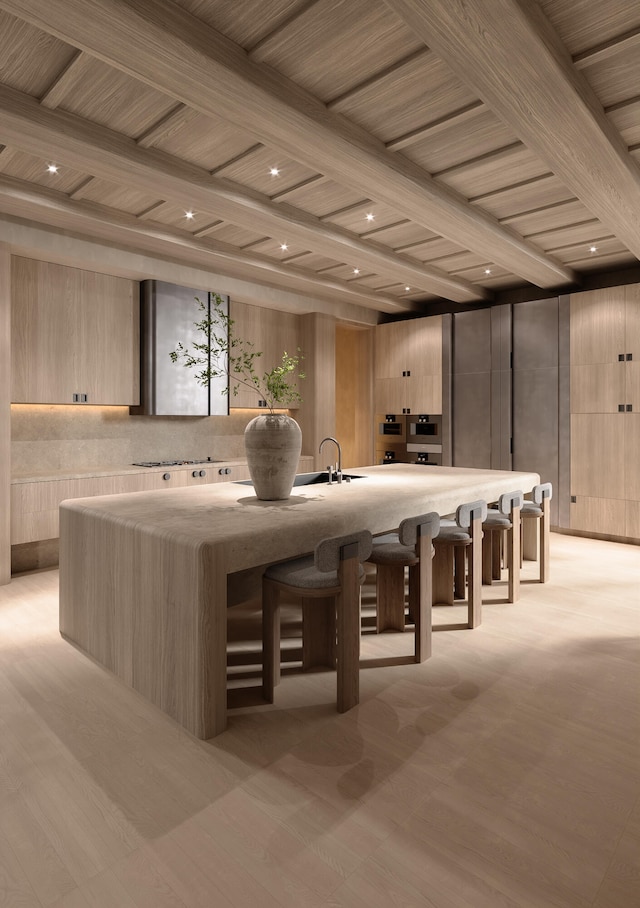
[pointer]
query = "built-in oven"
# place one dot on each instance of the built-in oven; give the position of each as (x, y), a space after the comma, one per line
(424, 439)
(392, 427)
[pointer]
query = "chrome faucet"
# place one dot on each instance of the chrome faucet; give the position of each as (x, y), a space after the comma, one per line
(338, 466)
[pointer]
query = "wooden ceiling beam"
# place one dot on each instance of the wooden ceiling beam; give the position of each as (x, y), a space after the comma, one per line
(508, 52)
(111, 156)
(21, 198)
(165, 47)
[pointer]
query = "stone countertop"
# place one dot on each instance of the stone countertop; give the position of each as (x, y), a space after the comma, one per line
(250, 532)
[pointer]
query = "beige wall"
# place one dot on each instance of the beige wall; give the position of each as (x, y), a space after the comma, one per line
(5, 427)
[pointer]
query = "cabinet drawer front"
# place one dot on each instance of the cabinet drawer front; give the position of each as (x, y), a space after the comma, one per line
(599, 515)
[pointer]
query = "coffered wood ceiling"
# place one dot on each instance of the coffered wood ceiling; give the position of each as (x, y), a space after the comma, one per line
(491, 143)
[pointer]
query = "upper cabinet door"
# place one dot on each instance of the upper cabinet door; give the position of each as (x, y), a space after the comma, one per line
(597, 333)
(73, 333)
(271, 333)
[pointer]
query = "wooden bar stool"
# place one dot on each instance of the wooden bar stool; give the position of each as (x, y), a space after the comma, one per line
(450, 561)
(538, 509)
(332, 575)
(410, 547)
(500, 522)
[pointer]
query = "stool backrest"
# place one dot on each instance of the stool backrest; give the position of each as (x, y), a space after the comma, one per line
(327, 553)
(468, 512)
(510, 500)
(428, 524)
(544, 490)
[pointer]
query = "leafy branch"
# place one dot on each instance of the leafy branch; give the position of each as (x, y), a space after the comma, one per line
(222, 354)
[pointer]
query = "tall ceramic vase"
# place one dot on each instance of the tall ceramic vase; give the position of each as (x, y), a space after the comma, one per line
(273, 442)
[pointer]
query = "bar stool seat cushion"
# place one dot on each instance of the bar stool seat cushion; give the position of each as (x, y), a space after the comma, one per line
(496, 520)
(303, 573)
(388, 549)
(530, 509)
(449, 534)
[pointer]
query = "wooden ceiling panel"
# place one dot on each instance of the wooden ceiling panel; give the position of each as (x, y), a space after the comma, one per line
(525, 196)
(459, 261)
(272, 247)
(333, 46)
(459, 94)
(238, 20)
(324, 197)
(405, 234)
(176, 216)
(451, 145)
(122, 198)
(433, 250)
(315, 262)
(626, 119)
(30, 58)
(506, 167)
(108, 97)
(207, 142)
(582, 24)
(552, 217)
(235, 236)
(589, 233)
(616, 78)
(355, 219)
(254, 170)
(17, 163)
(419, 92)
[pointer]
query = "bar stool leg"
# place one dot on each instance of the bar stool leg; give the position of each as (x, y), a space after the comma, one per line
(318, 632)
(271, 640)
(348, 629)
(513, 545)
(389, 597)
(443, 575)
(460, 572)
(545, 523)
(475, 573)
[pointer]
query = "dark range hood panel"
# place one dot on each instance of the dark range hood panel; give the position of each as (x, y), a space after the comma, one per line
(167, 315)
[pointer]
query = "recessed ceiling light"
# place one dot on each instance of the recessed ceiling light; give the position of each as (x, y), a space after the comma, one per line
(284, 247)
(189, 215)
(593, 248)
(356, 271)
(274, 171)
(370, 216)
(407, 289)
(487, 270)
(52, 168)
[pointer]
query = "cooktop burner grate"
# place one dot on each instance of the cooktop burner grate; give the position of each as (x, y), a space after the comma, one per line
(171, 463)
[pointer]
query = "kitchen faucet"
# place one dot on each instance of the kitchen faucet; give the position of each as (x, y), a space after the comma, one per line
(338, 466)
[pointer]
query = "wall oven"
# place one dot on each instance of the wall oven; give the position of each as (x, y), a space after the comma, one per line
(424, 439)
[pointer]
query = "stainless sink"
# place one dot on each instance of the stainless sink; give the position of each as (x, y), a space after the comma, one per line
(313, 479)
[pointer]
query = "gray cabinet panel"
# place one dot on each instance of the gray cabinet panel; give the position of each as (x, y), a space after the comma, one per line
(535, 392)
(472, 420)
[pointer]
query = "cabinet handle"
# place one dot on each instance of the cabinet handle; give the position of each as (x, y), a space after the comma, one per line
(629, 408)
(629, 357)
(620, 408)
(620, 357)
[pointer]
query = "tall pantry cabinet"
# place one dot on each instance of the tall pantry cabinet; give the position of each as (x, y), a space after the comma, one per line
(605, 411)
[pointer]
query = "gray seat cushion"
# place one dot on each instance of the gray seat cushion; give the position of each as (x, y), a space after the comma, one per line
(530, 509)
(496, 521)
(388, 549)
(303, 574)
(449, 534)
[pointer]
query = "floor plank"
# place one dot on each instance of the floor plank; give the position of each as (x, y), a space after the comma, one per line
(504, 772)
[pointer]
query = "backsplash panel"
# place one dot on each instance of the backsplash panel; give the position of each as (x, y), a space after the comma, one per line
(47, 437)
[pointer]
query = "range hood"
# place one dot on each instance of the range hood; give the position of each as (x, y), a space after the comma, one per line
(167, 315)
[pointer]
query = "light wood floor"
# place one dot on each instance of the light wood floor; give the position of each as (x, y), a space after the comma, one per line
(502, 773)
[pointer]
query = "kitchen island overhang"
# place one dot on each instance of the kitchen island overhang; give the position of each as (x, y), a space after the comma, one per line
(143, 576)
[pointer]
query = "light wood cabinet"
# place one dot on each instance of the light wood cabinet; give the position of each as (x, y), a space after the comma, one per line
(272, 333)
(75, 336)
(408, 366)
(605, 411)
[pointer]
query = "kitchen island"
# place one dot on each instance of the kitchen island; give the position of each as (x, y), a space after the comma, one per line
(146, 577)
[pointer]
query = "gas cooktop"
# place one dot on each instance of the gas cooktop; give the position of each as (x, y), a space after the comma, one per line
(171, 463)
